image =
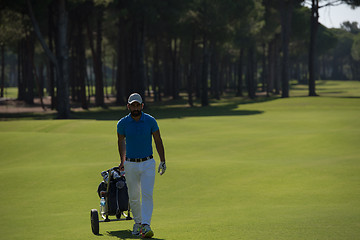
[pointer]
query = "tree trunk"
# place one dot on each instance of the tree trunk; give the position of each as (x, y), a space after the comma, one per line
(221, 75)
(214, 71)
(28, 63)
(175, 67)
(122, 71)
(271, 68)
(251, 81)
(105, 82)
(156, 71)
(51, 27)
(39, 86)
(73, 80)
(190, 77)
(99, 84)
(113, 67)
(277, 74)
(2, 82)
(21, 85)
(204, 75)
(137, 80)
(314, 21)
(62, 58)
(41, 79)
(97, 53)
(81, 61)
(286, 14)
(264, 69)
(240, 74)
(167, 68)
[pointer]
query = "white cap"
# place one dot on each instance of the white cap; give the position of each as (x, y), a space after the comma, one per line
(135, 97)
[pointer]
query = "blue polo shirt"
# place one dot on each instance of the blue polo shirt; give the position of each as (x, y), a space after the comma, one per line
(138, 135)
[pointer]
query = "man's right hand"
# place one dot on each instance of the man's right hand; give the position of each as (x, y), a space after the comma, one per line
(121, 166)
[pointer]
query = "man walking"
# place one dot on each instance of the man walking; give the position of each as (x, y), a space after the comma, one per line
(135, 132)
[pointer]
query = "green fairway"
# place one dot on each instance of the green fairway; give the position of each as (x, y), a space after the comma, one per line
(11, 92)
(273, 169)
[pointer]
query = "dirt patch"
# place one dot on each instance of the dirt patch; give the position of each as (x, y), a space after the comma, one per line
(12, 106)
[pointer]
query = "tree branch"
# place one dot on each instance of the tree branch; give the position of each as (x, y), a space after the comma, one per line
(332, 4)
(40, 37)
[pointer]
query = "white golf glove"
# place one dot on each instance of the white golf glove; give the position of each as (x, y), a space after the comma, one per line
(162, 168)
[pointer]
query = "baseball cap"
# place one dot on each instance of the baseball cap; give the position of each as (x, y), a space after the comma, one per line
(135, 97)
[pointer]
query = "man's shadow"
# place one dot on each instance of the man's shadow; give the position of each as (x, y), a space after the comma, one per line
(126, 234)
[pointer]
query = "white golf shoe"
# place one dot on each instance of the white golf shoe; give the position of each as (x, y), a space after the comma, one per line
(146, 232)
(136, 229)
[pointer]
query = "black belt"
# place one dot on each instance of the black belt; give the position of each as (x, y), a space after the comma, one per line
(138, 159)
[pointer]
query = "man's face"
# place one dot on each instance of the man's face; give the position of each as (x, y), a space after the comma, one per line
(135, 109)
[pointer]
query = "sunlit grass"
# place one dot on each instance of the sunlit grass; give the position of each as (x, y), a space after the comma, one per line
(239, 169)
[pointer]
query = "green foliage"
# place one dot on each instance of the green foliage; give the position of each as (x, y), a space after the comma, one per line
(227, 25)
(355, 49)
(300, 33)
(250, 24)
(326, 40)
(272, 21)
(300, 23)
(352, 3)
(11, 26)
(351, 27)
(345, 41)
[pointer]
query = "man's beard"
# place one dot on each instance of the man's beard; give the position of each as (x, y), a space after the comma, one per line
(135, 113)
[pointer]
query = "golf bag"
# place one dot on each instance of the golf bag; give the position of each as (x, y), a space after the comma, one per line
(117, 195)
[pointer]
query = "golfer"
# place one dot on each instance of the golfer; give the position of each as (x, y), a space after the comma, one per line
(135, 132)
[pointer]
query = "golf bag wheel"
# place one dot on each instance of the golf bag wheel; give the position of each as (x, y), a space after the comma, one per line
(94, 216)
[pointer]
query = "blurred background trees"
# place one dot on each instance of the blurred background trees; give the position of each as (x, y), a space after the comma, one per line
(89, 52)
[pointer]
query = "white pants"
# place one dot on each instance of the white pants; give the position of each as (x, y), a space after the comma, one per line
(140, 179)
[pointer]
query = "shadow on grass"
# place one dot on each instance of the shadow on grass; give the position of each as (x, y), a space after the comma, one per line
(125, 234)
(178, 112)
(171, 111)
(350, 97)
(161, 110)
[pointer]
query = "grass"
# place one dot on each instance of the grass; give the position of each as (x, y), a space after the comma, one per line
(275, 169)
(11, 92)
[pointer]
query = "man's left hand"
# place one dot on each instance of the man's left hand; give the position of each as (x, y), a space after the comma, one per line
(162, 168)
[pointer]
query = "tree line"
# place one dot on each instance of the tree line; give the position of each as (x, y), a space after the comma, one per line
(81, 48)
